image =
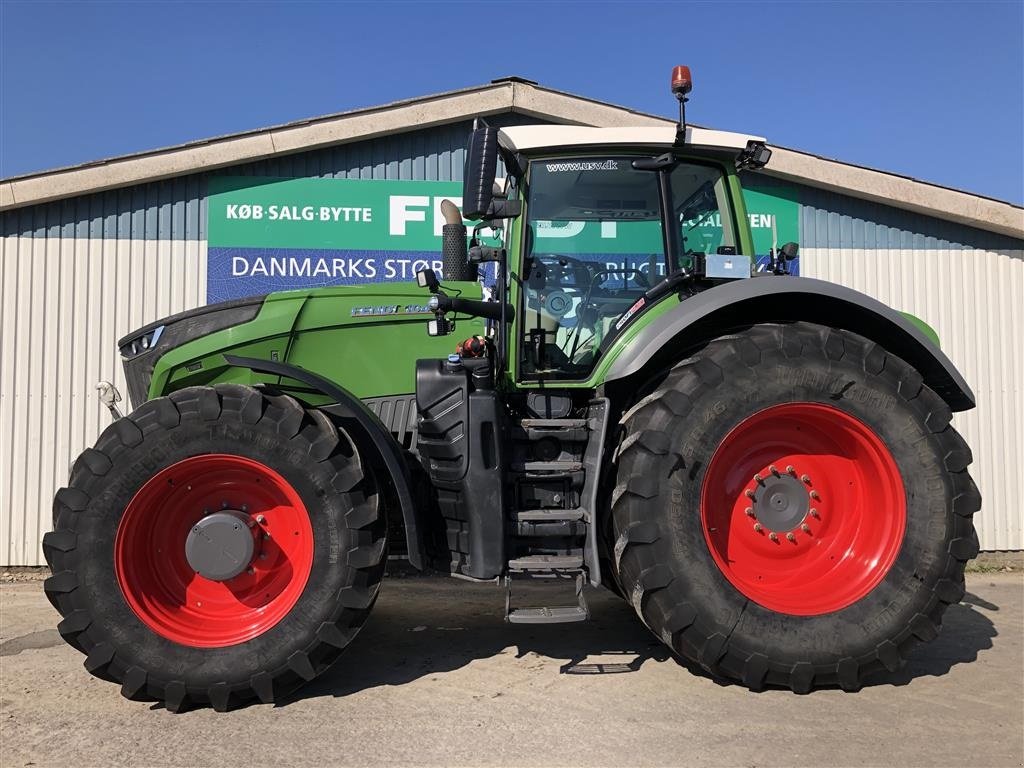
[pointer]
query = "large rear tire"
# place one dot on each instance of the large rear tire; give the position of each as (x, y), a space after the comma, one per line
(792, 508)
(155, 496)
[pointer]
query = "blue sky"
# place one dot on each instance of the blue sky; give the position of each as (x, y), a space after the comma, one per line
(933, 90)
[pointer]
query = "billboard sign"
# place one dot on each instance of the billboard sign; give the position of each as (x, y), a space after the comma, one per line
(269, 235)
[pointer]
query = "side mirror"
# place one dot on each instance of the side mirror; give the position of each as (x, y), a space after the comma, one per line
(427, 278)
(754, 155)
(479, 172)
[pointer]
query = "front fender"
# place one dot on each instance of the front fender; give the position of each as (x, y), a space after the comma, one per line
(374, 432)
(787, 299)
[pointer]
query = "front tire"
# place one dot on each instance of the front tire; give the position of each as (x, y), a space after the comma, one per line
(173, 487)
(792, 508)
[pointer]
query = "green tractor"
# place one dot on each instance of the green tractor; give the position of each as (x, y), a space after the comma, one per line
(762, 465)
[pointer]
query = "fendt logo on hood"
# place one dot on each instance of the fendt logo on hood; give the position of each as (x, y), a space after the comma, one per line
(390, 309)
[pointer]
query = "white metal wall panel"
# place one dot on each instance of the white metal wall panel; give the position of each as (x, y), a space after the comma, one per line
(975, 301)
(64, 301)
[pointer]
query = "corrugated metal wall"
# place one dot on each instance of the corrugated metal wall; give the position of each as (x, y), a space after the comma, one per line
(76, 275)
(63, 303)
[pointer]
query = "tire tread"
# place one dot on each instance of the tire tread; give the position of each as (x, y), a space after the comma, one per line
(675, 618)
(321, 440)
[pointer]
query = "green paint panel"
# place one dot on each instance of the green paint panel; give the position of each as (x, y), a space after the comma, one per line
(366, 338)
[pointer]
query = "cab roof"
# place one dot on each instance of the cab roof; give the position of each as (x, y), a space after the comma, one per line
(533, 137)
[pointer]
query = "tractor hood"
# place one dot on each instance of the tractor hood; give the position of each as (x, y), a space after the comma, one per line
(309, 328)
(141, 349)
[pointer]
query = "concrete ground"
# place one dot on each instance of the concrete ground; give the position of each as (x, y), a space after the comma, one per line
(436, 678)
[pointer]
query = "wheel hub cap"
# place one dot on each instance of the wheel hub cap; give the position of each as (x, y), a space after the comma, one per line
(781, 503)
(221, 545)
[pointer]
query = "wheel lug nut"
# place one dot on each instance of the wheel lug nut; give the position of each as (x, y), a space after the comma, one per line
(774, 470)
(805, 528)
(814, 512)
(773, 537)
(790, 536)
(758, 478)
(790, 469)
(757, 527)
(749, 511)
(245, 507)
(259, 518)
(749, 493)
(805, 478)
(250, 570)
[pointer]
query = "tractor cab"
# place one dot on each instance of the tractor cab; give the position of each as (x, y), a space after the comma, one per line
(602, 226)
(606, 233)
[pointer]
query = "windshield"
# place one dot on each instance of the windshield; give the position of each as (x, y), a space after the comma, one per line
(594, 245)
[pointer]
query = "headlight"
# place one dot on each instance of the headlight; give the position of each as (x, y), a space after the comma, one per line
(142, 349)
(141, 343)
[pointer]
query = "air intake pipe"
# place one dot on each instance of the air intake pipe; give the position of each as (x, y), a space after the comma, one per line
(454, 256)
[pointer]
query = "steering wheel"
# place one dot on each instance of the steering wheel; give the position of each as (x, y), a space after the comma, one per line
(550, 291)
(562, 265)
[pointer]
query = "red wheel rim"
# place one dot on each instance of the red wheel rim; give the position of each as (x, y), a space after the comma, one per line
(172, 599)
(803, 555)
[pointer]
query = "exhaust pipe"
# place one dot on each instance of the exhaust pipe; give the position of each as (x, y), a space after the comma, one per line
(454, 255)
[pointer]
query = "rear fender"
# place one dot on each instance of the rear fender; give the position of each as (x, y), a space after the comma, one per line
(788, 299)
(375, 435)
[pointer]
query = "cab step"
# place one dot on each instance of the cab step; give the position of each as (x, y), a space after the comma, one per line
(533, 563)
(541, 523)
(545, 529)
(547, 466)
(565, 430)
(547, 515)
(557, 614)
(553, 423)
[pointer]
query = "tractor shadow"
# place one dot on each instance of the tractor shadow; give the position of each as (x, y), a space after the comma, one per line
(429, 626)
(965, 632)
(423, 627)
